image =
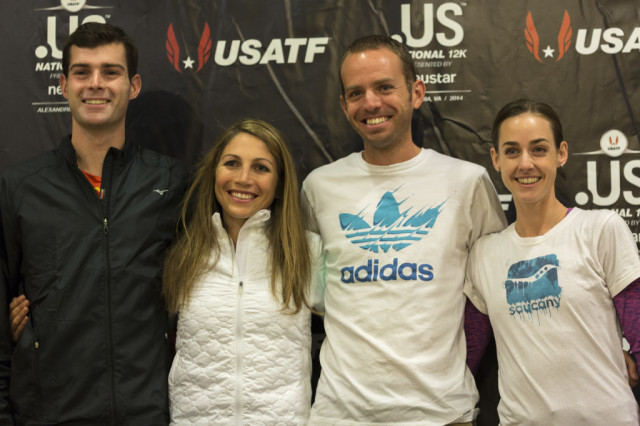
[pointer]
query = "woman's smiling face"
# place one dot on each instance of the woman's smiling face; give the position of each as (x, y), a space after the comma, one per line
(527, 157)
(246, 179)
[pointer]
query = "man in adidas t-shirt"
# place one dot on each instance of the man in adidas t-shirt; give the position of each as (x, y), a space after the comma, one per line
(397, 223)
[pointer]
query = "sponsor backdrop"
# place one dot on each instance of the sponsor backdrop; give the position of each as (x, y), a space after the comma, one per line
(207, 63)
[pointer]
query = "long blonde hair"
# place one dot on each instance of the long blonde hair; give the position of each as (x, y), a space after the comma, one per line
(290, 260)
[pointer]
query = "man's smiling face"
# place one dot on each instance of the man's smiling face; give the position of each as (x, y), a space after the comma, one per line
(377, 100)
(98, 87)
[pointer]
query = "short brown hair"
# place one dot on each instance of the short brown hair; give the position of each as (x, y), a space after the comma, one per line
(94, 34)
(380, 41)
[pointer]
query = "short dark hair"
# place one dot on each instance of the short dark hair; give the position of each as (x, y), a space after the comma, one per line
(524, 105)
(381, 41)
(94, 34)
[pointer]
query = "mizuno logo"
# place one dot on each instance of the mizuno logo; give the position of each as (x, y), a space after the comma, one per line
(161, 191)
(392, 228)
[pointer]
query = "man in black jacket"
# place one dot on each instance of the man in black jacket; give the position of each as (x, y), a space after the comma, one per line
(83, 231)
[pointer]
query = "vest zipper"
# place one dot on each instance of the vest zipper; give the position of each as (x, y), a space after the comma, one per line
(239, 355)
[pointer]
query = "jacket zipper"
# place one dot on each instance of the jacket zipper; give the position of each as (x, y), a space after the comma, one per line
(103, 205)
(36, 365)
(107, 171)
(239, 355)
(239, 265)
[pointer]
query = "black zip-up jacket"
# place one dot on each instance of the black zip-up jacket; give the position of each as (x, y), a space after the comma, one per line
(95, 350)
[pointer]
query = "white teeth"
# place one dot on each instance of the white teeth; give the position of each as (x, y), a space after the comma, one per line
(242, 195)
(95, 101)
(377, 120)
(528, 180)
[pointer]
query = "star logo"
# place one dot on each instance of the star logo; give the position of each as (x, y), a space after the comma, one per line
(391, 228)
(188, 63)
(548, 52)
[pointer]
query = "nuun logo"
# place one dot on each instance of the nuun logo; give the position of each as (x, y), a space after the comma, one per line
(391, 227)
(532, 286)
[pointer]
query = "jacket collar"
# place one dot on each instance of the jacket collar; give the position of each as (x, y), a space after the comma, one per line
(124, 155)
(260, 218)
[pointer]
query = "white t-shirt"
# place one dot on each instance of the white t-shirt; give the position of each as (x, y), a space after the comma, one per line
(396, 241)
(549, 299)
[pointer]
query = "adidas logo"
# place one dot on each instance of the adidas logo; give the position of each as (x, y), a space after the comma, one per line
(392, 228)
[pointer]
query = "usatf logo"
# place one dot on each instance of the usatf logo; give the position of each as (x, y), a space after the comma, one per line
(533, 39)
(246, 52)
(588, 40)
(532, 286)
(391, 228)
(614, 143)
(173, 50)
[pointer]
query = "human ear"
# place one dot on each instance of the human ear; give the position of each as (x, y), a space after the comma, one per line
(418, 91)
(63, 85)
(563, 153)
(136, 85)
(495, 160)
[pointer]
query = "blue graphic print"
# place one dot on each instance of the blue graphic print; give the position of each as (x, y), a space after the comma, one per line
(392, 227)
(532, 286)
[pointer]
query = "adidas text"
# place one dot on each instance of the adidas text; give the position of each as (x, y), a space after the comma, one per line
(372, 271)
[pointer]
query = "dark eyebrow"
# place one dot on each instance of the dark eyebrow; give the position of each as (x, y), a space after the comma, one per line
(228, 155)
(83, 65)
(265, 160)
(375, 83)
(513, 143)
(254, 160)
(510, 143)
(539, 140)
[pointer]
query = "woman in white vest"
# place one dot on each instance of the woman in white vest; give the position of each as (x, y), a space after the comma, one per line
(239, 278)
(554, 285)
